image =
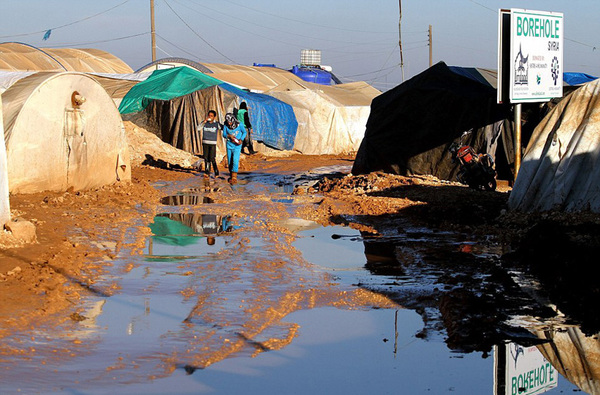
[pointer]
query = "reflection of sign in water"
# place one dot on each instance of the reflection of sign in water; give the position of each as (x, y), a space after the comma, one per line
(526, 371)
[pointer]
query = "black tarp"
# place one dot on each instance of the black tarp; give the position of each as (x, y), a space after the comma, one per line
(411, 127)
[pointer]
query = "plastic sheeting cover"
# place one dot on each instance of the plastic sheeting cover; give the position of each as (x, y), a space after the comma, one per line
(273, 121)
(560, 167)
(165, 84)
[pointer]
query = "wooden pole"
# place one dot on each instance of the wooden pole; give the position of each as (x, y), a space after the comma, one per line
(152, 30)
(517, 139)
(430, 46)
(400, 39)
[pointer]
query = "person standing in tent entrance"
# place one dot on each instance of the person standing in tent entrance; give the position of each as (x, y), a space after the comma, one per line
(234, 133)
(244, 119)
(210, 129)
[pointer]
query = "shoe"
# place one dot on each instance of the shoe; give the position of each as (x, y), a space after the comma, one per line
(233, 178)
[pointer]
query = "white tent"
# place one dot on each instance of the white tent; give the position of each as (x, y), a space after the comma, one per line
(561, 165)
(62, 130)
(4, 203)
(331, 119)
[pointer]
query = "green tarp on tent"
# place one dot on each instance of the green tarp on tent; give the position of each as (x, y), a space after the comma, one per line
(165, 85)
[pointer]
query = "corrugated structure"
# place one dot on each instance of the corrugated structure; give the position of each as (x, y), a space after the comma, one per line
(24, 57)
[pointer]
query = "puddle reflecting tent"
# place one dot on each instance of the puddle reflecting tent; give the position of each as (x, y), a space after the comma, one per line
(574, 355)
(331, 119)
(62, 130)
(176, 100)
(560, 168)
(411, 127)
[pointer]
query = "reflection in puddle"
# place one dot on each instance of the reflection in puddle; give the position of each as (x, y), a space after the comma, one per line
(237, 289)
(186, 200)
(178, 236)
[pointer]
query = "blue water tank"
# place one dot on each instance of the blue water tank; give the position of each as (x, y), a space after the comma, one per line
(312, 74)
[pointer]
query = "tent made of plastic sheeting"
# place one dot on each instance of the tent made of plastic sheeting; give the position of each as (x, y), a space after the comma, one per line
(4, 201)
(273, 121)
(331, 119)
(24, 57)
(62, 130)
(561, 165)
(165, 84)
(175, 120)
(118, 85)
(574, 355)
(411, 127)
(254, 78)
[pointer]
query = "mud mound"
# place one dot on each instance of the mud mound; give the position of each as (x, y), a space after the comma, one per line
(142, 144)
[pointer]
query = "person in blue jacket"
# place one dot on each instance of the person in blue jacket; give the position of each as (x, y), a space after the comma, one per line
(234, 133)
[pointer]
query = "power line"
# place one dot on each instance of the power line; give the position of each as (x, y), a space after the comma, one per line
(177, 46)
(371, 72)
(264, 27)
(67, 24)
(304, 22)
(101, 41)
(200, 37)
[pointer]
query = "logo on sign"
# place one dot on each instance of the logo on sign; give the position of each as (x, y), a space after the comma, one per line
(555, 69)
(521, 69)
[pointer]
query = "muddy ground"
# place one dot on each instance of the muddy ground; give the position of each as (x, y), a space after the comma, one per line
(79, 233)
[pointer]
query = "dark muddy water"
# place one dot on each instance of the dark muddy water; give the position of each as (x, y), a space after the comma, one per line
(233, 294)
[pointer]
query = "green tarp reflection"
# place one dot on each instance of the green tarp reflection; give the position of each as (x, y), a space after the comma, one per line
(168, 231)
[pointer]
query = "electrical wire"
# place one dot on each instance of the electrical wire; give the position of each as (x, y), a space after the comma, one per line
(178, 47)
(200, 37)
(304, 22)
(580, 43)
(101, 41)
(263, 27)
(67, 24)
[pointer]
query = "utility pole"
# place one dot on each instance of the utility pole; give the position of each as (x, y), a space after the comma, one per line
(152, 30)
(400, 39)
(430, 46)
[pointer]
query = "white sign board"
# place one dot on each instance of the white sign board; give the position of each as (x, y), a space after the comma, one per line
(527, 371)
(536, 55)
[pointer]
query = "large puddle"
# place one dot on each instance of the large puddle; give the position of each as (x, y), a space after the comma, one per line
(233, 294)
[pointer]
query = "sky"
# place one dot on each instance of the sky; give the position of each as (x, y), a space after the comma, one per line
(359, 39)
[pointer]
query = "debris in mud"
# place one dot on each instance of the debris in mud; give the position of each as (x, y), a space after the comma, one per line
(22, 230)
(77, 317)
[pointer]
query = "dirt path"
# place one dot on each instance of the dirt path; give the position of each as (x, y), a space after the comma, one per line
(80, 233)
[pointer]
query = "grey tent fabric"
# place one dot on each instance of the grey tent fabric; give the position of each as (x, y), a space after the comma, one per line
(561, 165)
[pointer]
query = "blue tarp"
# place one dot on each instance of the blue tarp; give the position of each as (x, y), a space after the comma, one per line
(273, 121)
(577, 78)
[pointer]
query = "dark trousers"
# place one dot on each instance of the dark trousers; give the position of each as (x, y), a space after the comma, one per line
(248, 142)
(210, 157)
